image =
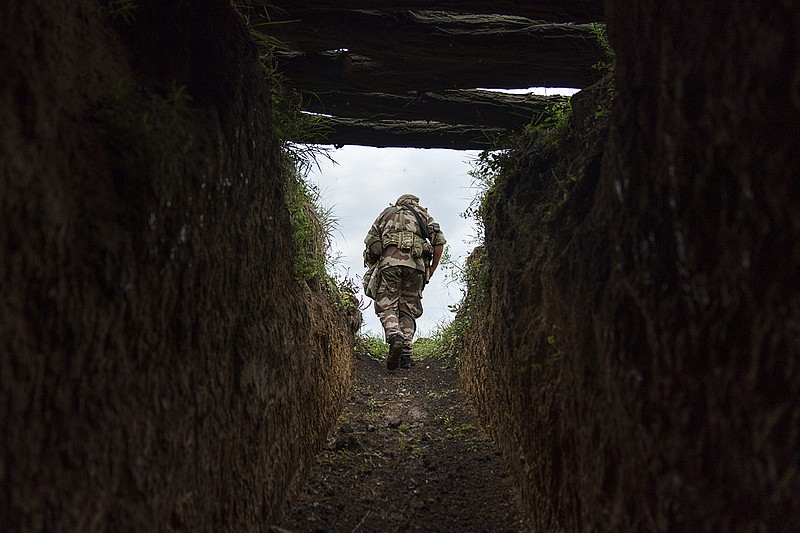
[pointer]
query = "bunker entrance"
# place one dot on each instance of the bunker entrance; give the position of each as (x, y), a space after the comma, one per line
(391, 75)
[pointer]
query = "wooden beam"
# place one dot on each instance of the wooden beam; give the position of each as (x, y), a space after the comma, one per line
(473, 107)
(332, 71)
(402, 134)
(579, 11)
(528, 53)
(429, 52)
(421, 34)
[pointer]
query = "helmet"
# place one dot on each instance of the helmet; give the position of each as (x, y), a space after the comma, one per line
(407, 199)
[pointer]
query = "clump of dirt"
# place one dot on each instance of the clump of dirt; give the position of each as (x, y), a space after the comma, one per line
(407, 454)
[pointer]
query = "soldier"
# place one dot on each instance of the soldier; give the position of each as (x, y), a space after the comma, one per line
(404, 246)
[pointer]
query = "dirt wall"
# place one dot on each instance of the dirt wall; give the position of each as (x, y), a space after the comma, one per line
(160, 369)
(638, 351)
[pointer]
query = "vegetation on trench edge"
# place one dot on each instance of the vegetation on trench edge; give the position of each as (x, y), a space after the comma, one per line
(313, 223)
(446, 340)
(600, 33)
(472, 276)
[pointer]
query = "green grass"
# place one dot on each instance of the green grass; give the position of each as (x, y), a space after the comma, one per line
(312, 223)
(599, 31)
(436, 395)
(456, 430)
(371, 346)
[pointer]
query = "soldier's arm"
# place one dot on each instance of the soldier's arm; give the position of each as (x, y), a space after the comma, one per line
(438, 241)
(437, 254)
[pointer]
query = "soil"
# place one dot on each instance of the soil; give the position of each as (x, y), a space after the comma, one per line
(406, 454)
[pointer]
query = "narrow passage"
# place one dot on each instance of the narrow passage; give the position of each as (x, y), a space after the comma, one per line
(406, 455)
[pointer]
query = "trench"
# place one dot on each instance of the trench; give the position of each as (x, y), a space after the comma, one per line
(407, 453)
(631, 360)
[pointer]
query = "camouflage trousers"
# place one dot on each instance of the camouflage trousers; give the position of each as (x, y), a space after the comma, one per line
(398, 301)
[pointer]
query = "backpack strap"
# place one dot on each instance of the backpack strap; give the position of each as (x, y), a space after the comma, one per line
(422, 227)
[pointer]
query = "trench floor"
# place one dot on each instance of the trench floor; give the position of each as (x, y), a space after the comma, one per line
(406, 454)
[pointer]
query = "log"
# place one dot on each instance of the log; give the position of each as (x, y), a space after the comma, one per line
(337, 71)
(412, 35)
(401, 134)
(559, 54)
(471, 107)
(579, 11)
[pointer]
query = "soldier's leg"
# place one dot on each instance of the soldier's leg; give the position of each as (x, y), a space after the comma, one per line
(408, 327)
(387, 301)
(410, 308)
(387, 307)
(405, 357)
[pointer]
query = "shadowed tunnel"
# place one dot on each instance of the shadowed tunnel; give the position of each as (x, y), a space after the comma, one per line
(637, 350)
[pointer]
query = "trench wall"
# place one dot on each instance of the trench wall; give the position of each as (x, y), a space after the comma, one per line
(637, 350)
(160, 369)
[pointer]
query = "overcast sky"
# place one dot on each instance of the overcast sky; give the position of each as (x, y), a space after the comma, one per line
(364, 180)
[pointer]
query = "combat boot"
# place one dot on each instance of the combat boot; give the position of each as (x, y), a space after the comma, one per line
(405, 359)
(395, 351)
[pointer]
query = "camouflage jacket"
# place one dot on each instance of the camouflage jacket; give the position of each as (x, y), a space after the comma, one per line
(401, 238)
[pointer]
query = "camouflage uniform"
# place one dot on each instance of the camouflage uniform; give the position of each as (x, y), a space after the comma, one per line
(396, 241)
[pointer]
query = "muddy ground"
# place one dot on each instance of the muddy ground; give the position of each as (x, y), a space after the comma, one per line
(406, 454)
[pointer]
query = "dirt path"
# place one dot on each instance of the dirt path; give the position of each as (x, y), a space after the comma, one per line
(406, 455)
